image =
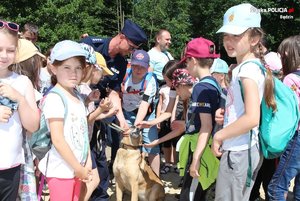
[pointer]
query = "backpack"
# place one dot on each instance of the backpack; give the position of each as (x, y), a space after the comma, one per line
(277, 128)
(40, 142)
(144, 84)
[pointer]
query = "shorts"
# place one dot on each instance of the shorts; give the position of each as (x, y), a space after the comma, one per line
(149, 134)
(165, 128)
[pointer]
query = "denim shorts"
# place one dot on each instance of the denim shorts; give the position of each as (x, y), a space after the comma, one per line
(149, 134)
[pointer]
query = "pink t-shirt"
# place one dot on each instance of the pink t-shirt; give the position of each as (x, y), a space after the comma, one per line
(293, 81)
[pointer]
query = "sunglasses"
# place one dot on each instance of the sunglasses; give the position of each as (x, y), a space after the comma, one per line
(10, 25)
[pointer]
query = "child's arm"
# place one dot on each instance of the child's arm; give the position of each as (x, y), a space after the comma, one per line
(170, 135)
(27, 108)
(104, 106)
(57, 136)
(247, 121)
(164, 116)
(142, 112)
(204, 133)
(158, 108)
(173, 116)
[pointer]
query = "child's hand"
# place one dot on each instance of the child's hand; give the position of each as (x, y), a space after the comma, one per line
(83, 173)
(194, 169)
(144, 124)
(9, 92)
(151, 144)
(94, 95)
(5, 113)
(105, 104)
(219, 118)
(216, 145)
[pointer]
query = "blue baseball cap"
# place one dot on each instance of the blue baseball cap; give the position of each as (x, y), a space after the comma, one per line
(66, 49)
(140, 58)
(219, 66)
(134, 33)
(239, 18)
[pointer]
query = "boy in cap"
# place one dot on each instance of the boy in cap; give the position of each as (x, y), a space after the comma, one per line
(139, 92)
(114, 51)
(194, 149)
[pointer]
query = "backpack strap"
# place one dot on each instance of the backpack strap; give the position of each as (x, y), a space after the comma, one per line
(216, 85)
(126, 77)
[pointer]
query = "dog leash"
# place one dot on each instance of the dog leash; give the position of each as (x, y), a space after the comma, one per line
(114, 126)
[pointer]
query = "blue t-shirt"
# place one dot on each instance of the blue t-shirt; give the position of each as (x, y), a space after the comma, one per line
(205, 99)
(117, 65)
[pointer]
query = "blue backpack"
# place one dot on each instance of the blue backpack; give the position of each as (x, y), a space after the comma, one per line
(277, 128)
(40, 142)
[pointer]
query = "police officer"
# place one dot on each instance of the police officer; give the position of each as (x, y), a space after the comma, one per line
(114, 51)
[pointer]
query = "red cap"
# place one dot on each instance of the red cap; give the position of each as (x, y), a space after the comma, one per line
(200, 48)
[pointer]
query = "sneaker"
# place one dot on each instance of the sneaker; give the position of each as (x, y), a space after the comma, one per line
(165, 169)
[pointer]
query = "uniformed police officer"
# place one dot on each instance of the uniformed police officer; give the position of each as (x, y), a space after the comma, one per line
(114, 51)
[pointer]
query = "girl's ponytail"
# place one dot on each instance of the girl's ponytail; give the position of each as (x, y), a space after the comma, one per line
(269, 83)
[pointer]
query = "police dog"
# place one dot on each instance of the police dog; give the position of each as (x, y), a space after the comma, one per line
(133, 173)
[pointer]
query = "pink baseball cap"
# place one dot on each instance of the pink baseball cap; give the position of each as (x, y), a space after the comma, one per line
(200, 48)
(273, 61)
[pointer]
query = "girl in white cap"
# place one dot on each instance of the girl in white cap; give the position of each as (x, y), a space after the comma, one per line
(68, 162)
(242, 39)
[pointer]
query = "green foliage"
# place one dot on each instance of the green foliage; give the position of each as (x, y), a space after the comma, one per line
(185, 19)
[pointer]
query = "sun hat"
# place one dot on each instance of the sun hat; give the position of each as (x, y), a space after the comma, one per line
(66, 49)
(200, 48)
(134, 33)
(239, 18)
(101, 63)
(219, 66)
(273, 61)
(182, 76)
(140, 58)
(26, 49)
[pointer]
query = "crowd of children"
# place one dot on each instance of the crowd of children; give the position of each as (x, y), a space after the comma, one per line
(215, 109)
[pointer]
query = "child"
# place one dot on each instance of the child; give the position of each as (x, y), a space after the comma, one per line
(289, 163)
(139, 103)
(194, 149)
(28, 62)
(241, 38)
(165, 127)
(18, 111)
(92, 77)
(68, 162)
(45, 74)
(219, 71)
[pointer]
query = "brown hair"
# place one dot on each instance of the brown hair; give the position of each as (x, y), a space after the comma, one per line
(57, 63)
(259, 53)
(170, 67)
(289, 50)
(31, 68)
(205, 62)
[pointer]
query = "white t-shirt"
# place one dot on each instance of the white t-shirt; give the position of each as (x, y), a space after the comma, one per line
(45, 80)
(133, 93)
(235, 104)
(11, 137)
(75, 133)
(158, 60)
